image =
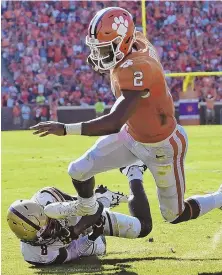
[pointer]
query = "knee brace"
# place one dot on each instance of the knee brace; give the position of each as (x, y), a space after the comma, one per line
(80, 169)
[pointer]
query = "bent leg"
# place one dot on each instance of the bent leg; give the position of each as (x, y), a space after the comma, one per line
(139, 207)
(108, 153)
(138, 202)
(168, 172)
(170, 181)
(140, 223)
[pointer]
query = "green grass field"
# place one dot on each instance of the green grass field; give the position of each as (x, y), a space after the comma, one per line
(30, 163)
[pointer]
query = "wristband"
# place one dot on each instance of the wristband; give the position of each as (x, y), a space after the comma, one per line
(73, 129)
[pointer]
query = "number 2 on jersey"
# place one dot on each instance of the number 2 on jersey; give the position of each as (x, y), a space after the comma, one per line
(138, 76)
(44, 250)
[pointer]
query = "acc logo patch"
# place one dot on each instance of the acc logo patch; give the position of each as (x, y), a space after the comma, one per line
(127, 63)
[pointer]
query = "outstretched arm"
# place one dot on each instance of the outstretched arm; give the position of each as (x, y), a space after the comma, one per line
(111, 123)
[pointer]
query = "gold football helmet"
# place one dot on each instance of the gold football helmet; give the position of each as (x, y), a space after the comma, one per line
(26, 218)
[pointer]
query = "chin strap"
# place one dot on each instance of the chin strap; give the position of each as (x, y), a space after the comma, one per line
(95, 67)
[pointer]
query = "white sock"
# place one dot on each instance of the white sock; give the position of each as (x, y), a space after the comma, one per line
(134, 173)
(87, 201)
(88, 205)
(208, 202)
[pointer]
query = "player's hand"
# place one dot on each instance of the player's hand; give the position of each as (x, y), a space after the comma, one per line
(49, 127)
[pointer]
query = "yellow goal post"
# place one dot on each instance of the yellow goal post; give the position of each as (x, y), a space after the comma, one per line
(188, 77)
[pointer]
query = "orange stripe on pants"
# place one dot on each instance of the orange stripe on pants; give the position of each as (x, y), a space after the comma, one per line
(176, 173)
(183, 142)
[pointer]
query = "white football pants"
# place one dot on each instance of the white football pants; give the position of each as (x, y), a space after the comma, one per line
(164, 159)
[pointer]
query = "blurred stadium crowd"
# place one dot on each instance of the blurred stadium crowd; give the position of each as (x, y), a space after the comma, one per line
(43, 46)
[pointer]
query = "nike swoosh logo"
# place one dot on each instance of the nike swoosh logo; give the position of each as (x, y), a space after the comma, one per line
(158, 157)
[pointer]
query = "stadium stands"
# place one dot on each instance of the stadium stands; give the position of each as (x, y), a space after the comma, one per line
(43, 46)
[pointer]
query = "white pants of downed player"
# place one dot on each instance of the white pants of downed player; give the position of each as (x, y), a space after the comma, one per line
(164, 159)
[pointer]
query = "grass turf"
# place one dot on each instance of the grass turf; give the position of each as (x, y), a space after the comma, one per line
(195, 248)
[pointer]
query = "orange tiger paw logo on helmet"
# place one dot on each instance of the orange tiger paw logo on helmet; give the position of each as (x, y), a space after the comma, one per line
(120, 25)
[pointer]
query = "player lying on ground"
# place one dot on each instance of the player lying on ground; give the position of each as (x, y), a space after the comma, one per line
(141, 124)
(48, 241)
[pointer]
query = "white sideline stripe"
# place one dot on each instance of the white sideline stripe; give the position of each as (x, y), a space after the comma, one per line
(187, 100)
(66, 108)
(177, 104)
(189, 117)
(215, 103)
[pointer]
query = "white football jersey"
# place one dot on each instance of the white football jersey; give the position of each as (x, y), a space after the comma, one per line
(57, 251)
(42, 254)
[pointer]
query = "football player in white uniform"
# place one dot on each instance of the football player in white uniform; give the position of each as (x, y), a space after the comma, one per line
(48, 241)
